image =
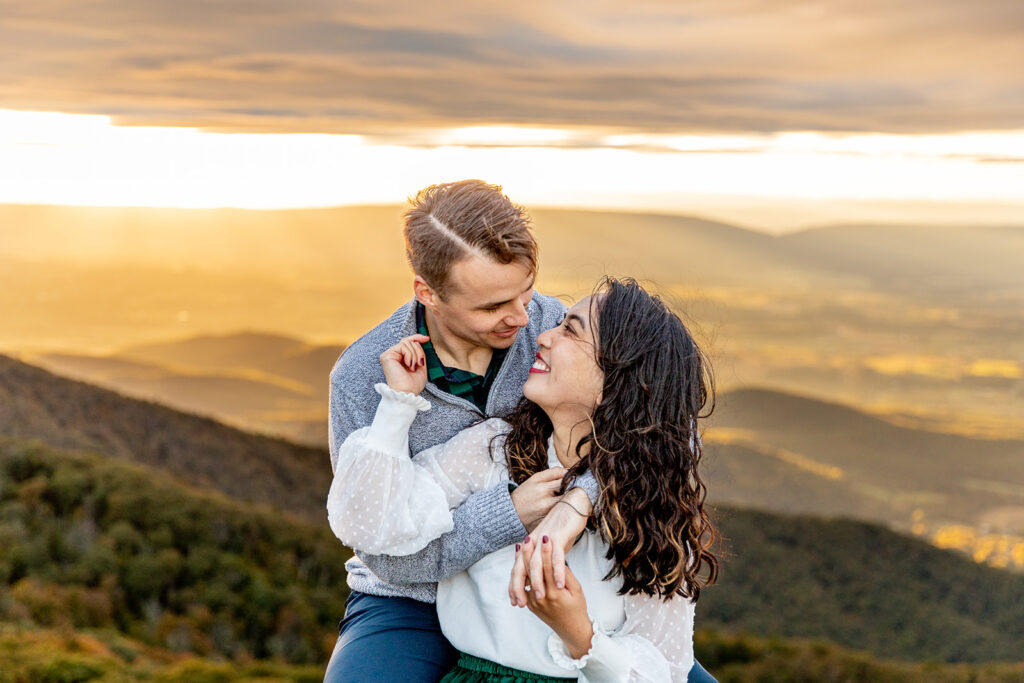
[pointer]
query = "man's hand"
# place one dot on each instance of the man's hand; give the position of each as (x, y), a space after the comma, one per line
(565, 522)
(562, 609)
(405, 364)
(534, 498)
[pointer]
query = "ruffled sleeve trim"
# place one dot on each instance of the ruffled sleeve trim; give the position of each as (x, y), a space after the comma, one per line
(418, 402)
(560, 653)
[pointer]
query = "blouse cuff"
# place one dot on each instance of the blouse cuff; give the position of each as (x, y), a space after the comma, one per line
(606, 660)
(403, 397)
(560, 653)
(389, 430)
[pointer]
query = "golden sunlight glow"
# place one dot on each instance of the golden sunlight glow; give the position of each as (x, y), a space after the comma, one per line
(53, 158)
(501, 136)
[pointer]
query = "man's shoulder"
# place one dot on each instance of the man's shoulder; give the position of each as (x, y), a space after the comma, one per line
(364, 353)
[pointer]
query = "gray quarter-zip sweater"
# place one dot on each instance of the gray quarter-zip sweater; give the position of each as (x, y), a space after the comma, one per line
(487, 520)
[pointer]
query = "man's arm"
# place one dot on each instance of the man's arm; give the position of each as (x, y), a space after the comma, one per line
(487, 518)
(485, 522)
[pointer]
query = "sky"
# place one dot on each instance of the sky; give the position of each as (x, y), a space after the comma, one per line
(843, 108)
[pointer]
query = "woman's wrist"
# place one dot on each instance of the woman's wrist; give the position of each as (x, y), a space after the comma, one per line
(578, 637)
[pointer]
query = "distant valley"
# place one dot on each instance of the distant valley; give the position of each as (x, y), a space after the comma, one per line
(921, 324)
(875, 372)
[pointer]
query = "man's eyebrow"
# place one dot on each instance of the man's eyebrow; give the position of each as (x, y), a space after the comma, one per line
(502, 303)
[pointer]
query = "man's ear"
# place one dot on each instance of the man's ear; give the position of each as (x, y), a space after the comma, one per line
(424, 293)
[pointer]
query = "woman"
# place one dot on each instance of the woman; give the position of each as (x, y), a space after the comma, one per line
(617, 388)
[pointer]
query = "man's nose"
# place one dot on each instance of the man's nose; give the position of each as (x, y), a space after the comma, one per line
(519, 317)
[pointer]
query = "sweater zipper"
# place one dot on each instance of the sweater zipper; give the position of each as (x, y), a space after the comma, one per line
(453, 400)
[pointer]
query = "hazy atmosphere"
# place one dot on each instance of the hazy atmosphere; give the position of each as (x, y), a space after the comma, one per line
(201, 207)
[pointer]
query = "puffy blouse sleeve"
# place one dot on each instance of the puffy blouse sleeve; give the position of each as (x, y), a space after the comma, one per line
(382, 501)
(655, 644)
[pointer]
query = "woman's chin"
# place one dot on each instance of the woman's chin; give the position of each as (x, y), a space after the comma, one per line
(532, 390)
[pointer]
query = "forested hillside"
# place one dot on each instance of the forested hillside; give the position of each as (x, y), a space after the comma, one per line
(201, 451)
(94, 542)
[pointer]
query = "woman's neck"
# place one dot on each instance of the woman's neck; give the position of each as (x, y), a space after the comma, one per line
(566, 437)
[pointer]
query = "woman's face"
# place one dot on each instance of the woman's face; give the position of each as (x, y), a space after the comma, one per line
(565, 377)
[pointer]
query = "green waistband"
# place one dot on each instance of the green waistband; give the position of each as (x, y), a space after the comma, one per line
(488, 667)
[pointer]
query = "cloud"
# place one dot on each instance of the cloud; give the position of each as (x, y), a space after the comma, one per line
(381, 68)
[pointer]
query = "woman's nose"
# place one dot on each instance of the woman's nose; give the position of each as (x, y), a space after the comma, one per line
(543, 338)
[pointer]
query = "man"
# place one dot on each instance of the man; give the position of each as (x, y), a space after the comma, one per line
(474, 260)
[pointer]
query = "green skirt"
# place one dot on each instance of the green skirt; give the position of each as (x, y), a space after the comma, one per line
(470, 669)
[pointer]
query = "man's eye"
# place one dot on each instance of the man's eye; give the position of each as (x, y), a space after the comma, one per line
(491, 309)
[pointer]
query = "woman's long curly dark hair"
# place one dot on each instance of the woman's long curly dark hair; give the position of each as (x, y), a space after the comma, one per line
(644, 449)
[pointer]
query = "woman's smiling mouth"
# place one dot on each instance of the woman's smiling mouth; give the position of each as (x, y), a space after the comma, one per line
(540, 366)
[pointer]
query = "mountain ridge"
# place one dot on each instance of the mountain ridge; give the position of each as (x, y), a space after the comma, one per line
(70, 414)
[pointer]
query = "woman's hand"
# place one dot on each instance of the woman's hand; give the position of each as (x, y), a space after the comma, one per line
(534, 498)
(405, 364)
(562, 609)
(562, 526)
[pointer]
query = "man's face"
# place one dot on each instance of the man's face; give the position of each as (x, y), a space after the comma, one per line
(485, 303)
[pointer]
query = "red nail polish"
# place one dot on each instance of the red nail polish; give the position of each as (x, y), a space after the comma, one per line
(526, 540)
(544, 539)
(518, 547)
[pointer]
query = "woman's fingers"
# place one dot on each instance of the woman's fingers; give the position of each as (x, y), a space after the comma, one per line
(558, 564)
(572, 584)
(551, 474)
(404, 364)
(413, 356)
(546, 554)
(537, 586)
(517, 583)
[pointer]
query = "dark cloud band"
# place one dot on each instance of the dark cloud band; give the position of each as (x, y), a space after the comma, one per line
(734, 65)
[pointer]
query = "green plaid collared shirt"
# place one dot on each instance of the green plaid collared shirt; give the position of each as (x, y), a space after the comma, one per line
(457, 382)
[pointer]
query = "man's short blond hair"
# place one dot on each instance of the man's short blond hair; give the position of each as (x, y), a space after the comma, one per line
(449, 222)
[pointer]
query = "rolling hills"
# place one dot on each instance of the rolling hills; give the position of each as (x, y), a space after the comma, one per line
(861, 465)
(862, 586)
(271, 384)
(200, 451)
(765, 449)
(924, 322)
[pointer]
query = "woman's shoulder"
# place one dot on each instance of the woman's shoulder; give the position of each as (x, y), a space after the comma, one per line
(487, 434)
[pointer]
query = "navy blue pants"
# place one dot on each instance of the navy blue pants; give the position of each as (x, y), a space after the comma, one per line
(399, 639)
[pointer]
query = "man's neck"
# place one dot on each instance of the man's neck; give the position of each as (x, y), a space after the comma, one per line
(453, 351)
